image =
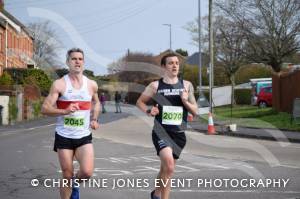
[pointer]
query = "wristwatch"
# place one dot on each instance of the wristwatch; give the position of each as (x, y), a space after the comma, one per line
(148, 111)
(95, 120)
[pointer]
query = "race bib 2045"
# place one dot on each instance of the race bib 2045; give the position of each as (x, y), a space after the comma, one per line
(74, 122)
(172, 115)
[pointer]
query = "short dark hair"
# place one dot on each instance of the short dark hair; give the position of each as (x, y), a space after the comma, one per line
(164, 58)
(74, 50)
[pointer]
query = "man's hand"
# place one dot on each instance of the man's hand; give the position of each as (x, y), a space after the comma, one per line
(72, 108)
(184, 96)
(154, 110)
(94, 124)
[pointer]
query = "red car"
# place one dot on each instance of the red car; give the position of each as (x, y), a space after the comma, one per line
(264, 97)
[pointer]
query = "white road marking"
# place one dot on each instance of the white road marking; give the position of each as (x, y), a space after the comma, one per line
(289, 166)
(6, 133)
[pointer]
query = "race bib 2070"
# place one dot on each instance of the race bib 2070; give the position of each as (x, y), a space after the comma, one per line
(172, 115)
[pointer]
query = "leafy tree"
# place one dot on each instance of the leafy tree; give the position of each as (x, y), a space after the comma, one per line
(182, 52)
(89, 74)
(61, 72)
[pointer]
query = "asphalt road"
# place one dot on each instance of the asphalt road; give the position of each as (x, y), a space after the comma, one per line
(125, 163)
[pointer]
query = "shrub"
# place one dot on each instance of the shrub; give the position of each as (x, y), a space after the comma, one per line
(242, 96)
(39, 78)
(13, 109)
(36, 106)
(6, 79)
(31, 76)
(245, 73)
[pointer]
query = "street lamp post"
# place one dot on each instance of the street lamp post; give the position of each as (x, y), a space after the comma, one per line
(170, 30)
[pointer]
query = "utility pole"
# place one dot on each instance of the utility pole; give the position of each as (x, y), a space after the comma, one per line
(170, 32)
(200, 47)
(211, 54)
(6, 43)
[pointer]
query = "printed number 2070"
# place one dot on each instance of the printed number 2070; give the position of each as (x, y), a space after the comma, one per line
(172, 116)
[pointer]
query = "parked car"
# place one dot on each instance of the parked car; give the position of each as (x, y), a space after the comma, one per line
(264, 97)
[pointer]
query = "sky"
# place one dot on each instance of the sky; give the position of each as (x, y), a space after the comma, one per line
(106, 29)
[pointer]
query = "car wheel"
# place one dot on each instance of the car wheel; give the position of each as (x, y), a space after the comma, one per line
(262, 104)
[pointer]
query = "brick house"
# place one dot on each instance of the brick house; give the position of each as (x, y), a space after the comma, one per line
(16, 42)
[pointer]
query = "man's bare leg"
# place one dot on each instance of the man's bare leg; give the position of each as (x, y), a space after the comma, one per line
(166, 172)
(85, 157)
(65, 157)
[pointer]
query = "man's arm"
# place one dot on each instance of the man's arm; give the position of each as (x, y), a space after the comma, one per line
(96, 106)
(96, 101)
(149, 92)
(49, 105)
(188, 98)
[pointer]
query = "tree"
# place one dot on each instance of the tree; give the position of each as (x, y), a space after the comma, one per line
(134, 67)
(229, 45)
(46, 45)
(230, 48)
(182, 52)
(271, 27)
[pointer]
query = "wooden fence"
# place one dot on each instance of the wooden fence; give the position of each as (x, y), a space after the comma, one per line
(286, 87)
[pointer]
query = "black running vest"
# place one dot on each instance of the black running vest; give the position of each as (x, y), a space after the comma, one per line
(172, 113)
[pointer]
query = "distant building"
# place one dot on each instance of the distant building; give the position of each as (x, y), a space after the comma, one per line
(16, 42)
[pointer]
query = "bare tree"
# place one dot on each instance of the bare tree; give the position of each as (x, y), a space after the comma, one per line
(272, 28)
(229, 44)
(46, 44)
(230, 48)
(134, 67)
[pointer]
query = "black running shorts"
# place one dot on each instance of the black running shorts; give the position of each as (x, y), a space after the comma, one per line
(61, 142)
(175, 140)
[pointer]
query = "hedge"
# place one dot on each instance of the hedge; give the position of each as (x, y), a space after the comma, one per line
(242, 96)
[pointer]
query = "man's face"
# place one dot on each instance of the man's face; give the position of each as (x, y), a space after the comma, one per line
(172, 66)
(75, 62)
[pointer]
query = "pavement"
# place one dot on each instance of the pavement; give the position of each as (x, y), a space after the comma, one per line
(257, 133)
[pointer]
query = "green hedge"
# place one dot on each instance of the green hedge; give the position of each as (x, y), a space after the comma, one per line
(242, 96)
(32, 77)
(6, 79)
(13, 109)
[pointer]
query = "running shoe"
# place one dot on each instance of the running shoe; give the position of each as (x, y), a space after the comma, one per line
(75, 191)
(154, 196)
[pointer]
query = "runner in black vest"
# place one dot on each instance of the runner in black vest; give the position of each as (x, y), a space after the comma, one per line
(174, 99)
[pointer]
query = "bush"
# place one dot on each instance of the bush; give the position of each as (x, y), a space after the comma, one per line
(36, 106)
(6, 79)
(242, 96)
(13, 109)
(32, 77)
(245, 73)
(40, 79)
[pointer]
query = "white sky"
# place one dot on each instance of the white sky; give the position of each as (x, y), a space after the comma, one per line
(105, 29)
